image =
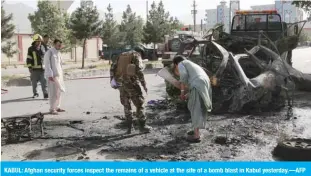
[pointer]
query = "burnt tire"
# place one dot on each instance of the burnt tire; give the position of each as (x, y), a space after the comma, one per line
(296, 149)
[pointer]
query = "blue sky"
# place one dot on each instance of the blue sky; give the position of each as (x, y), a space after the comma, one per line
(178, 8)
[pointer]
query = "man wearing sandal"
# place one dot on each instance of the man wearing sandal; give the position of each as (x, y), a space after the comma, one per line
(199, 95)
(54, 75)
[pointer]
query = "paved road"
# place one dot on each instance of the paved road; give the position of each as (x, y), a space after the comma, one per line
(302, 59)
(94, 96)
(81, 96)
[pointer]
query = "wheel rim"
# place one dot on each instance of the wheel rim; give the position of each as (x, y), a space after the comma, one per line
(298, 144)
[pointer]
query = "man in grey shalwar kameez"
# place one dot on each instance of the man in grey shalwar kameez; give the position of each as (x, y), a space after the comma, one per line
(199, 96)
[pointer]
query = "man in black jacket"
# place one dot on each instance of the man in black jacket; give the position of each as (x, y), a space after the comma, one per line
(36, 66)
(45, 43)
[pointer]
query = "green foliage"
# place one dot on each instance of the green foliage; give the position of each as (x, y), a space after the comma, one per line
(109, 34)
(131, 27)
(159, 24)
(175, 24)
(9, 50)
(303, 36)
(7, 28)
(305, 5)
(72, 40)
(48, 19)
(84, 24)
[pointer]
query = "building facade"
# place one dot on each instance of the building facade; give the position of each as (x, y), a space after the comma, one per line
(263, 7)
(222, 14)
(210, 18)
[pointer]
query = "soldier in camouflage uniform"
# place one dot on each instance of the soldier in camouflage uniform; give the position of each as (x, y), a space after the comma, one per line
(126, 71)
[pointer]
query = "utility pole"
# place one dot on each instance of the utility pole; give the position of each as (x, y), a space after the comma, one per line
(194, 12)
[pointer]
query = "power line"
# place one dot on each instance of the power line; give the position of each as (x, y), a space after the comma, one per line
(194, 12)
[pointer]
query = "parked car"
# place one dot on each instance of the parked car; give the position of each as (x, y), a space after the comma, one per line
(108, 53)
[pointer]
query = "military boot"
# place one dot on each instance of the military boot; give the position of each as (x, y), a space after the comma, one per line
(129, 124)
(143, 128)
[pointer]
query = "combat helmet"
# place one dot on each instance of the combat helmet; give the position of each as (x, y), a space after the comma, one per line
(37, 37)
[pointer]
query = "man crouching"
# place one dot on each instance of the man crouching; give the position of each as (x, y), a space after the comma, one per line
(125, 74)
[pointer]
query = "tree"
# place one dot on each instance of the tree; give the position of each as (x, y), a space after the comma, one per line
(109, 34)
(131, 28)
(9, 50)
(303, 36)
(159, 24)
(7, 28)
(175, 23)
(306, 5)
(72, 40)
(48, 19)
(85, 23)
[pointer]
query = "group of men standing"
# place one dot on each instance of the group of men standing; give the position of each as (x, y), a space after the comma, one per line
(45, 66)
(126, 75)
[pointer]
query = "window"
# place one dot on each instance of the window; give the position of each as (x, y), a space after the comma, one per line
(238, 23)
(256, 22)
(274, 22)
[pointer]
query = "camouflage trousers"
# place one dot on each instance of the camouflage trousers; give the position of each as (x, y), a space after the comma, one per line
(133, 94)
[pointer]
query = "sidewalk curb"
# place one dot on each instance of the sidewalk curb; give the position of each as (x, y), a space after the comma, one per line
(25, 80)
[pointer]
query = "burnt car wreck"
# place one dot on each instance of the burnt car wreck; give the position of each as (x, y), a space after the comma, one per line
(250, 76)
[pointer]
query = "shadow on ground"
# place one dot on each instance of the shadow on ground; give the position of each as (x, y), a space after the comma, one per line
(21, 82)
(80, 146)
(22, 100)
(167, 151)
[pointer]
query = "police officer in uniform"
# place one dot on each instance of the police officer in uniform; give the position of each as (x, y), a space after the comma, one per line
(36, 66)
(126, 74)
